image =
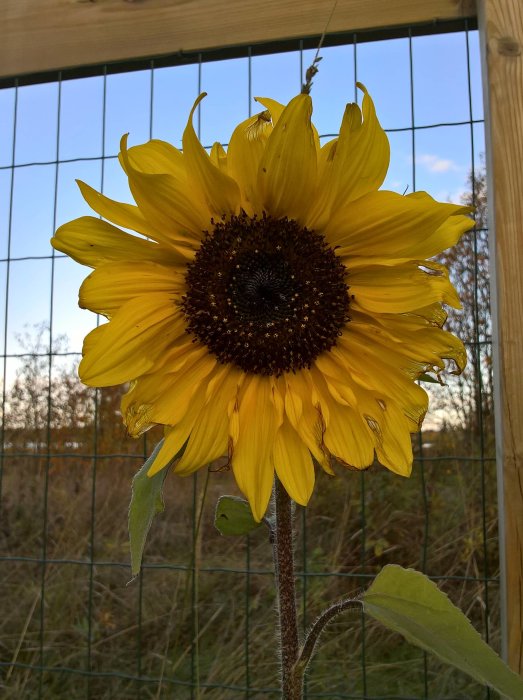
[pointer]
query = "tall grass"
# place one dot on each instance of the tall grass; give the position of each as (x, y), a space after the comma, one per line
(196, 623)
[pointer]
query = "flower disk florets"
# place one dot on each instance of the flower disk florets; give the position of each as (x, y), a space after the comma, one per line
(265, 294)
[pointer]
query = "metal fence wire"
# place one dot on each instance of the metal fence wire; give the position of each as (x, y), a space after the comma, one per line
(198, 621)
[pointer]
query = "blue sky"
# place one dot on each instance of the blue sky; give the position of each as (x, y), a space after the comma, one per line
(442, 159)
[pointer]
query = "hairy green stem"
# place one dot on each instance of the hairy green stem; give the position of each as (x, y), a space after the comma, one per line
(293, 657)
(283, 551)
(317, 628)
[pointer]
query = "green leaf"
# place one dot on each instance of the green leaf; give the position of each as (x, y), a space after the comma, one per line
(233, 516)
(409, 603)
(428, 378)
(146, 502)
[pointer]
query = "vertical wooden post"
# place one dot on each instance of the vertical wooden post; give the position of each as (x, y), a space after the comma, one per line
(501, 26)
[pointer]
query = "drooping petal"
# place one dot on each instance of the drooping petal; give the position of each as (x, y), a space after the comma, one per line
(387, 371)
(392, 433)
(305, 416)
(209, 439)
(176, 436)
(166, 397)
(348, 437)
(252, 446)
(293, 464)
(390, 430)
(287, 170)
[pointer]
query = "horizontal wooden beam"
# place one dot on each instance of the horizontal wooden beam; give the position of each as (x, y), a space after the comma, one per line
(46, 35)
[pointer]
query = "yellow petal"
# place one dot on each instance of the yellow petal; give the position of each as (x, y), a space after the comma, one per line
(209, 438)
(341, 441)
(176, 436)
(362, 154)
(390, 430)
(356, 164)
(386, 224)
(275, 108)
(93, 242)
(305, 416)
(412, 336)
(293, 464)
(112, 285)
(120, 213)
(168, 203)
(348, 438)
(166, 397)
(385, 370)
(219, 191)
(402, 288)
(170, 448)
(218, 157)
(252, 449)
(183, 351)
(244, 154)
(435, 345)
(337, 376)
(287, 171)
(129, 344)
(157, 157)
(434, 314)
(395, 450)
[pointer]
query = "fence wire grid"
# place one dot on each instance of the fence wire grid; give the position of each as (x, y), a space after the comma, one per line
(198, 621)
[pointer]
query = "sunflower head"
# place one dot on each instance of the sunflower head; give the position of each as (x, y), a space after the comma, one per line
(273, 305)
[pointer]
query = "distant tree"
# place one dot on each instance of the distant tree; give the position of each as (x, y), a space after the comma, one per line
(47, 403)
(468, 262)
(46, 394)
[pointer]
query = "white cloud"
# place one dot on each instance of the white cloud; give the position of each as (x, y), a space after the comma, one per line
(449, 196)
(435, 164)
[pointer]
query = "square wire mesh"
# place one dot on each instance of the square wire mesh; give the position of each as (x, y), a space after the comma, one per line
(198, 621)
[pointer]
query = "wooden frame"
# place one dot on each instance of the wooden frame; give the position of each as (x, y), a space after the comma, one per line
(501, 27)
(57, 34)
(44, 35)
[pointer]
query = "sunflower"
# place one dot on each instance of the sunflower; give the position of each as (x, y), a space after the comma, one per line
(276, 306)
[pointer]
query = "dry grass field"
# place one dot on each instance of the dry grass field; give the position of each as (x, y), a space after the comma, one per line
(199, 621)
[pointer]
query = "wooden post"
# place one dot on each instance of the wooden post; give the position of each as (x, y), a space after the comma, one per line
(501, 26)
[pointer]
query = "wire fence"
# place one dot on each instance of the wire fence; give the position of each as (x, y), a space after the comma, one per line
(198, 621)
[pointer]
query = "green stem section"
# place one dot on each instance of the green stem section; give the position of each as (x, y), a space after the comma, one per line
(313, 635)
(283, 550)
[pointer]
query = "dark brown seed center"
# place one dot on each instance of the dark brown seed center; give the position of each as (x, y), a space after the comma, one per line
(266, 295)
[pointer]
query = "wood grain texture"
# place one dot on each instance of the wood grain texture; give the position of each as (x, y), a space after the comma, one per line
(501, 24)
(43, 35)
